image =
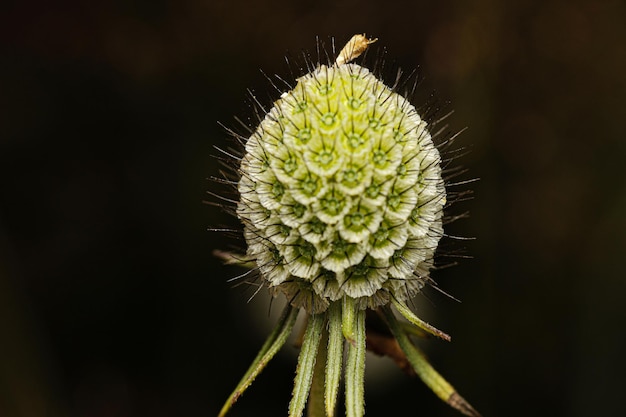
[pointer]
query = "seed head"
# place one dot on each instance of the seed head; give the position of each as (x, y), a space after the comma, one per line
(341, 199)
(341, 192)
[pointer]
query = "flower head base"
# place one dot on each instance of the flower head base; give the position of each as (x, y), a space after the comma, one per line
(346, 181)
(341, 199)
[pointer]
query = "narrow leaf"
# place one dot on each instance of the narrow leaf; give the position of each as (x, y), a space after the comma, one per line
(355, 370)
(410, 316)
(306, 364)
(424, 370)
(412, 330)
(272, 345)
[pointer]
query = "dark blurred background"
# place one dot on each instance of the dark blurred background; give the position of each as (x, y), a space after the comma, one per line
(111, 303)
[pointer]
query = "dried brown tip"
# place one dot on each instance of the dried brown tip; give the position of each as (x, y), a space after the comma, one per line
(354, 48)
(459, 403)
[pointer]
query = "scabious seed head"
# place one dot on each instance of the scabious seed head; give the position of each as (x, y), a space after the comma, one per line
(341, 192)
(341, 198)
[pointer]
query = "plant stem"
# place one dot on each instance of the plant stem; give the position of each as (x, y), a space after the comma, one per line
(271, 346)
(334, 357)
(315, 405)
(355, 369)
(306, 364)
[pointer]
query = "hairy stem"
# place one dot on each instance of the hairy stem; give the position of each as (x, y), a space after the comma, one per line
(335, 358)
(355, 369)
(306, 364)
(274, 342)
(315, 405)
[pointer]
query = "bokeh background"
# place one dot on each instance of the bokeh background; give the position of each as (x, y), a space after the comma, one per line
(111, 303)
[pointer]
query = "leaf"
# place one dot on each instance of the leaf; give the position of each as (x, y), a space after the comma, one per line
(272, 345)
(424, 370)
(410, 316)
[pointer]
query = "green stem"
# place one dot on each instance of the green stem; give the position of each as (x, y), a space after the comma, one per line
(315, 405)
(355, 369)
(306, 364)
(334, 357)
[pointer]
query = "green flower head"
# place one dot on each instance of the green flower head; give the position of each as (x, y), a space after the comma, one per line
(347, 174)
(341, 200)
